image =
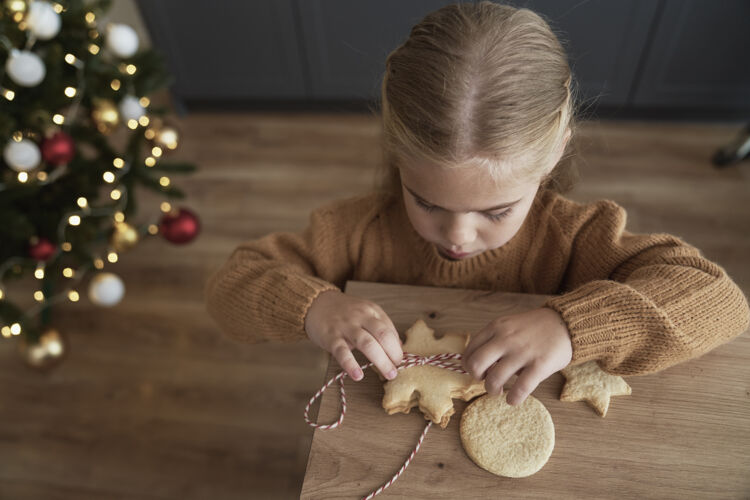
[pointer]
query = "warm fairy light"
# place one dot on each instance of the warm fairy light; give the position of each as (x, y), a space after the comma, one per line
(66, 246)
(143, 120)
(73, 296)
(94, 34)
(144, 101)
(2, 294)
(130, 69)
(119, 217)
(156, 151)
(9, 94)
(132, 124)
(108, 177)
(165, 207)
(6, 332)
(17, 136)
(150, 161)
(115, 84)
(42, 176)
(39, 273)
(39, 296)
(58, 8)
(153, 229)
(93, 48)
(90, 17)
(150, 134)
(82, 202)
(98, 263)
(18, 17)
(164, 181)
(70, 91)
(118, 162)
(15, 329)
(70, 58)
(74, 220)
(23, 176)
(112, 257)
(168, 137)
(16, 6)
(58, 119)
(115, 194)
(68, 272)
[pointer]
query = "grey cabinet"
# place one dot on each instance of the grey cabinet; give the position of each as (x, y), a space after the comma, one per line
(628, 56)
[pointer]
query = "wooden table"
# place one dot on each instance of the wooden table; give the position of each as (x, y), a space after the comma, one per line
(683, 433)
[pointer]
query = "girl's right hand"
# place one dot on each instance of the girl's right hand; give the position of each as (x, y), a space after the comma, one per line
(339, 323)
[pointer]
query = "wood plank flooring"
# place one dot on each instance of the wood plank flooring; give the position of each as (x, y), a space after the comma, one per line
(153, 402)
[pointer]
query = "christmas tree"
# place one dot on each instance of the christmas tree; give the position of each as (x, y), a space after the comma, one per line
(79, 134)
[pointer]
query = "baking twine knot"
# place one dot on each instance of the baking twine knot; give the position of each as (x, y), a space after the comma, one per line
(409, 360)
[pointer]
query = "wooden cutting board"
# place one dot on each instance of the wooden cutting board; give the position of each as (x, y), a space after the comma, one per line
(683, 433)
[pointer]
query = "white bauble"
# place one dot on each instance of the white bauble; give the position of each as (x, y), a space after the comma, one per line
(23, 155)
(130, 108)
(122, 40)
(106, 289)
(25, 68)
(43, 21)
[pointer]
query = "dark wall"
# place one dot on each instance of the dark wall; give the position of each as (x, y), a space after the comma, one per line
(631, 58)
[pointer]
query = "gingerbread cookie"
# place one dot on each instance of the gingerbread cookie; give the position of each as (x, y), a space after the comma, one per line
(507, 440)
(590, 383)
(431, 388)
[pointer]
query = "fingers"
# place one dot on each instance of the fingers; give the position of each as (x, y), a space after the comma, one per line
(346, 360)
(528, 379)
(371, 348)
(499, 373)
(387, 336)
(482, 358)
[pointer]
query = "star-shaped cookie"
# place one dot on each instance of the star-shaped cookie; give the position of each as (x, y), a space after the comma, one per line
(430, 387)
(590, 383)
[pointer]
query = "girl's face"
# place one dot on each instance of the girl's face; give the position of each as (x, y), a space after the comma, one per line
(462, 211)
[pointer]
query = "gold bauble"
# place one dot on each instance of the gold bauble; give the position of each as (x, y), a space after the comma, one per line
(16, 6)
(105, 115)
(46, 352)
(124, 237)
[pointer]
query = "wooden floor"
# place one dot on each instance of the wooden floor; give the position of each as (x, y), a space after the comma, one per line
(153, 403)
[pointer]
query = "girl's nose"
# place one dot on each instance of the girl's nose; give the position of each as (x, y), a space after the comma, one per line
(459, 231)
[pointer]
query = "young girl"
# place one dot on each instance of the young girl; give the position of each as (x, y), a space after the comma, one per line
(477, 112)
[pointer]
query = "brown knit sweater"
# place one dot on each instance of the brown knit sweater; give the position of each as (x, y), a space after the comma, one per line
(637, 303)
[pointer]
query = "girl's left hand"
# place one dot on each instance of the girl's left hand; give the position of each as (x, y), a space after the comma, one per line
(535, 344)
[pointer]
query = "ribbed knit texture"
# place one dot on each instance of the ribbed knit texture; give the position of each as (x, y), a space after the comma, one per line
(637, 303)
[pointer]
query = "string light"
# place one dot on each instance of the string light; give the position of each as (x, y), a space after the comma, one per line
(82, 202)
(68, 272)
(23, 176)
(130, 69)
(70, 59)
(118, 163)
(156, 151)
(39, 272)
(132, 124)
(165, 207)
(90, 17)
(108, 177)
(58, 8)
(58, 119)
(150, 161)
(70, 91)
(93, 48)
(143, 121)
(98, 263)
(39, 296)
(42, 176)
(66, 246)
(2, 294)
(112, 257)
(164, 181)
(144, 101)
(6, 332)
(115, 84)
(73, 296)
(9, 94)
(153, 229)
(74, 220)
(115, 194)
(119, 217)
(15, 329)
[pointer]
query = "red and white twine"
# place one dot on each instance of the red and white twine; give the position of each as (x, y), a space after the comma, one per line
(409, 361)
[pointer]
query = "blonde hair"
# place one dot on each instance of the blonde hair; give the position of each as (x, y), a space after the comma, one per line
(479, 85)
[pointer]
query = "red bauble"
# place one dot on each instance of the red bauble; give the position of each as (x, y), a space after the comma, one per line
(58, 149)
(179, 227)
(41, 249)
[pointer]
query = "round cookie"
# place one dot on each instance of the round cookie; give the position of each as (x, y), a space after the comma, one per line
(510, 441)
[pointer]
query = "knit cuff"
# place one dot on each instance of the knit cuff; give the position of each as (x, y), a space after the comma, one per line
(604, 319)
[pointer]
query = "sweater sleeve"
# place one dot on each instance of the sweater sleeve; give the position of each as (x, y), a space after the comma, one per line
(640, 303)
(264, 289)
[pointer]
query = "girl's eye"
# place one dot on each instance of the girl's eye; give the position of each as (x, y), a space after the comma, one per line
(425, 206)
(497, 217)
